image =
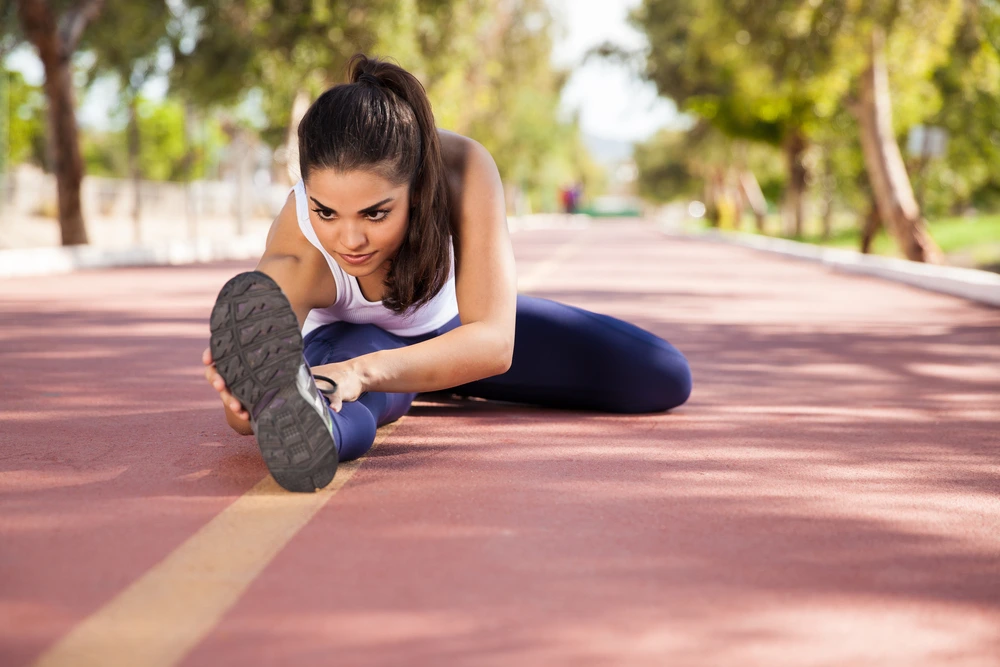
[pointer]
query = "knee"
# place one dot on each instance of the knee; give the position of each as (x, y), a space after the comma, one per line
(663, 383)
(670, 377)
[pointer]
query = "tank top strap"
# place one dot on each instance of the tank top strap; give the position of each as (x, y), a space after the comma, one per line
(305, 224)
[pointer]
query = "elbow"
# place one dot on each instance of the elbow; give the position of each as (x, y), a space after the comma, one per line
(503, 355)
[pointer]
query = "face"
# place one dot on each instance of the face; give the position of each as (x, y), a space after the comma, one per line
(359, 217)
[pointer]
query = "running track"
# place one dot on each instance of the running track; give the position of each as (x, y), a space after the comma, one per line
(828, 496)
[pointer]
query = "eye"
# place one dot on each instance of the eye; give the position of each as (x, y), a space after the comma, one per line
(324, 213)
(379, 215)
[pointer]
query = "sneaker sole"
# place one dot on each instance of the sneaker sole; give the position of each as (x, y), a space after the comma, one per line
(257, 348)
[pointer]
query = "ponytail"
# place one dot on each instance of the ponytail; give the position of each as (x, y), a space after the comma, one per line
(382, 121)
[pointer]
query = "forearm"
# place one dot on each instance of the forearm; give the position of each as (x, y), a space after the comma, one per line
(467, 353)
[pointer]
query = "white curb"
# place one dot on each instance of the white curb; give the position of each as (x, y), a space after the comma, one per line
(973, 284)
(47, 261)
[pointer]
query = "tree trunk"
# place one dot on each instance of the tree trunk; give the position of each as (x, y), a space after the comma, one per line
(897, 207)
(55, 42)
(135, 169)
(735, 194)
(872, 224)
(299, 107)
(713, 196)
(795, 151)
(754, 197)
(829, 194)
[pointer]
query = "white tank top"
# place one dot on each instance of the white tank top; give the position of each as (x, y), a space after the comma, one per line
(352, 306)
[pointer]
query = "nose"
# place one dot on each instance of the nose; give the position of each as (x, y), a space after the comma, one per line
(353, 237)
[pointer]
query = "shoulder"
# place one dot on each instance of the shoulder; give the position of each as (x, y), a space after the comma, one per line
(309, 272)
(285, 237)
(471, 173)
(463, 156)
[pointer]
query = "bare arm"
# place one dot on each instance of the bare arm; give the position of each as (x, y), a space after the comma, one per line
(486, 287)
(301, 272)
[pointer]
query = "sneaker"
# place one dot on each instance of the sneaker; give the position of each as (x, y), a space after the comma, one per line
(257, 349)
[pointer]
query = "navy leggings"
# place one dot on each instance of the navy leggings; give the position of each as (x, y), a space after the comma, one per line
(564, 357)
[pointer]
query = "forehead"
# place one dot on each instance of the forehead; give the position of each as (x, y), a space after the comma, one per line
(351, 190)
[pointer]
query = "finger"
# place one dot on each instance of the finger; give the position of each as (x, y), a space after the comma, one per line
(206, 356)
(230, 400)
(336, 403)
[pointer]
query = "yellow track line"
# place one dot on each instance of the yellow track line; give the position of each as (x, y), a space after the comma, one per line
(165, 613)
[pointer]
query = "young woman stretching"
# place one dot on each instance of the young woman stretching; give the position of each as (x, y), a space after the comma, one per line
(392, 258)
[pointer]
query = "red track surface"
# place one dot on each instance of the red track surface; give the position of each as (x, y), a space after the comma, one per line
(828, 496)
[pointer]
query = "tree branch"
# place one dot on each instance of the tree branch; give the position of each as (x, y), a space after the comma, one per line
(75, 20)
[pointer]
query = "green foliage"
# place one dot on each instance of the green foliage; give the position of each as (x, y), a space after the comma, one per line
(676, 164)
(967, 240)
(126, 40)
(104, 154)
(665, 173)
(24, 117)
(484, 63)
(164, 153)
(515, 108)
(969, 86)
(761, 69)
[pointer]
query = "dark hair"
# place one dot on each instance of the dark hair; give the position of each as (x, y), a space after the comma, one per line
(381, 121)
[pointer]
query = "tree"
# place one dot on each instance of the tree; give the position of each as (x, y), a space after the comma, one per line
(25, 126)
(484, 63)
(893, 194)
(56, 36)
(703, 162)
(969, 85)
(776, 71)
(751, 70)
(132, 61)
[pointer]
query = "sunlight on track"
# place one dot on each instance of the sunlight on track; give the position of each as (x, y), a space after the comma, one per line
(157, 620)
(542, 270)
(164, 614)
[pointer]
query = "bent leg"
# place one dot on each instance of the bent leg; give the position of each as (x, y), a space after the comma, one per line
(567, 357)
(354, 426)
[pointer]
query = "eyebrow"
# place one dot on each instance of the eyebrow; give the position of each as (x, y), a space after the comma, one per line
(369, 209)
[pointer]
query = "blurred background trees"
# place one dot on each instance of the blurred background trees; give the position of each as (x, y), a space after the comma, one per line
(837, 86)
(240, 74)
(873, 124)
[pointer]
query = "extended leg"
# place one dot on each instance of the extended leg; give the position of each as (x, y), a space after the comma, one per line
(354, 426)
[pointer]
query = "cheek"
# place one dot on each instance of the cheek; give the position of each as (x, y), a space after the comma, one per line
(395, 235)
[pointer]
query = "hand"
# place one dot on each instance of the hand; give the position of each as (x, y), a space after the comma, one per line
(219, 385)
(349, 383)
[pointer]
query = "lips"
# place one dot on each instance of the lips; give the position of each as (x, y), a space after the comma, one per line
(356, 259)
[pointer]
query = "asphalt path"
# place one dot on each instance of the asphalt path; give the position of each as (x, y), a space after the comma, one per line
(828, 495)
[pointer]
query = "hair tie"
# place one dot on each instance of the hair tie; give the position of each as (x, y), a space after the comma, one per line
(369, 78)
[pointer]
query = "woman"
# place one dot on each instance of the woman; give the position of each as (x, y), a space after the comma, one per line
(392, 257)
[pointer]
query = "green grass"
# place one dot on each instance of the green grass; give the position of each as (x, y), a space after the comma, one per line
(972, 241)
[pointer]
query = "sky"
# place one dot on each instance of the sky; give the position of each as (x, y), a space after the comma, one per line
(612, 102)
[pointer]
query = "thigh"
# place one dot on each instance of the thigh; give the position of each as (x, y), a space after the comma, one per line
(568, 357)
(340, 341)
